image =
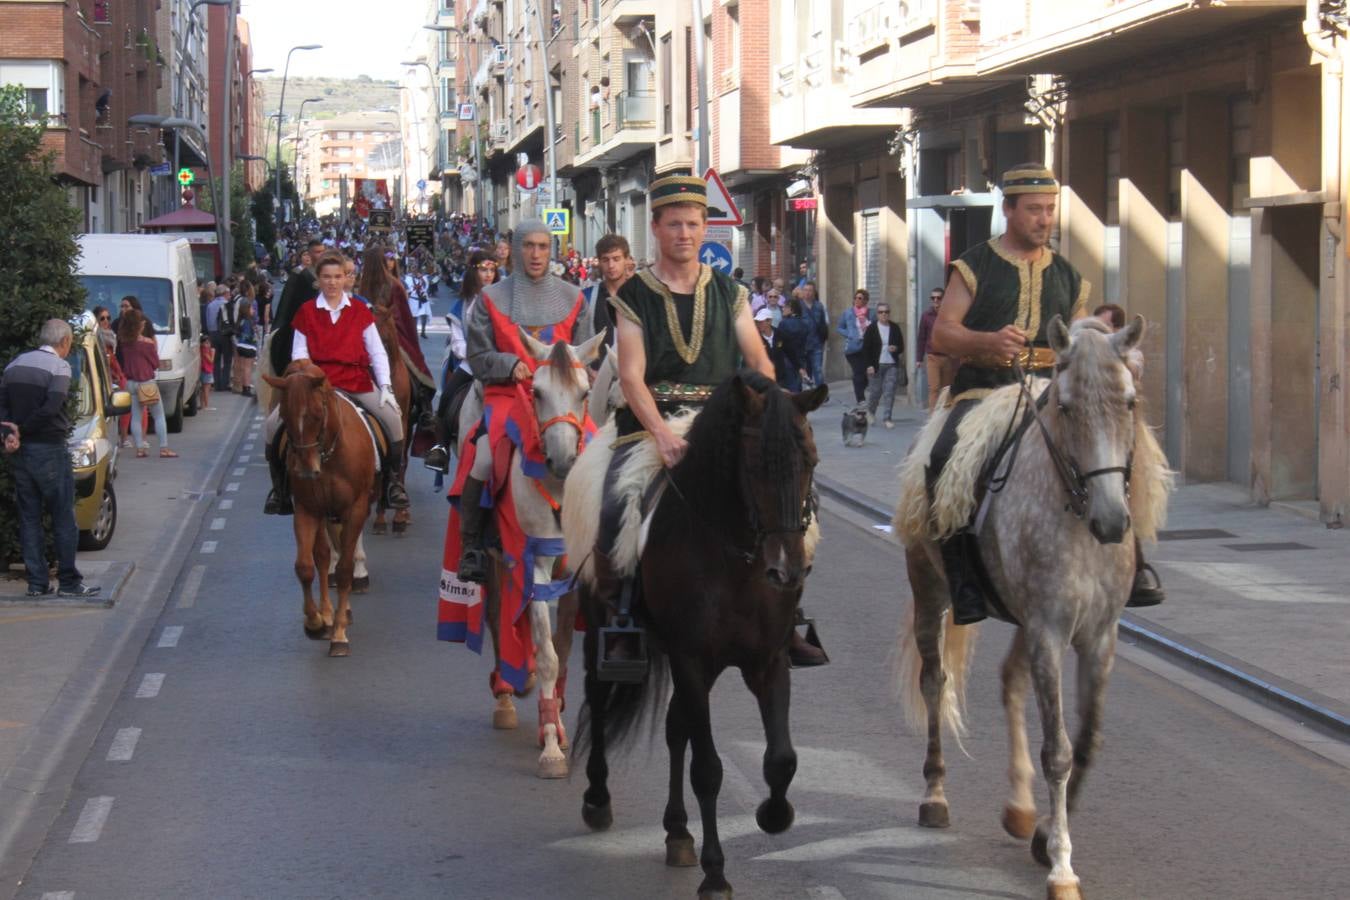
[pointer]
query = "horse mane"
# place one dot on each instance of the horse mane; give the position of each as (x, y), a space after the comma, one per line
(709, 474)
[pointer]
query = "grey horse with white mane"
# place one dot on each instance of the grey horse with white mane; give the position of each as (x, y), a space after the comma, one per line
(1063, 569)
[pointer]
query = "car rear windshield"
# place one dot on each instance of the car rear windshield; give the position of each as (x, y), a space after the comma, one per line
(155, 294)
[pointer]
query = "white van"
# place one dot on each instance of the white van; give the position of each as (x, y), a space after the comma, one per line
(158, 271)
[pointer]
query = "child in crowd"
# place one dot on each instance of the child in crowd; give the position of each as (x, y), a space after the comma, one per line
(208, 372)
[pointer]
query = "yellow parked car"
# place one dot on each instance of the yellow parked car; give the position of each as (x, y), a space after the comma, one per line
(93, 442)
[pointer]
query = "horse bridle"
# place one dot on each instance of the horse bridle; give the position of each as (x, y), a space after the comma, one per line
(568, 418)
(324, 455)
(1073, 480)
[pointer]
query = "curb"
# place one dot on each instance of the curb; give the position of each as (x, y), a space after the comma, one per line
(115, 577)
(1265, 688)
(35, 789)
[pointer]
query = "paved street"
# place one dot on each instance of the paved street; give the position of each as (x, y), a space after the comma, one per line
(237, 760)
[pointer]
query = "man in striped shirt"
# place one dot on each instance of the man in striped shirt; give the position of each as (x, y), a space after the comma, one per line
(34, 428)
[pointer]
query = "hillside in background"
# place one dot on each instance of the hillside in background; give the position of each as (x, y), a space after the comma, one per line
(340, 95)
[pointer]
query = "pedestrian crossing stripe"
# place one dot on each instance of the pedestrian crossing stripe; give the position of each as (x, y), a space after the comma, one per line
(558, 221)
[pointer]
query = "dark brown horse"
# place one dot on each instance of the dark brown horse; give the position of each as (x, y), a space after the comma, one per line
(331, 463)
(720, 583)
(403, 393)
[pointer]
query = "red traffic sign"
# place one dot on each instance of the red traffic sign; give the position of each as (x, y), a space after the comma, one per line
(721, 208)
(528, 177)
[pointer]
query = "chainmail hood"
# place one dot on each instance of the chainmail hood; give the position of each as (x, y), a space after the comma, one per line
(530, 301)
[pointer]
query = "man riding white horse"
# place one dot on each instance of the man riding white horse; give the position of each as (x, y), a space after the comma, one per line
(339, 336)
(683, 329)
(1000, 296)
(551, 310)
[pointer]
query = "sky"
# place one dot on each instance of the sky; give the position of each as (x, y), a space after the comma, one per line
(358, 37)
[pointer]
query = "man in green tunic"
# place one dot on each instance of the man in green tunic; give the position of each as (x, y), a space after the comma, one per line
(683, 329)
(1000, 296)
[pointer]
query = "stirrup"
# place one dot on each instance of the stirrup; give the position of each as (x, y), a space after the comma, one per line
(437, 459)
(1145, 595)
(472, 565)
(806, 627)
(397, 500)
(627, 669)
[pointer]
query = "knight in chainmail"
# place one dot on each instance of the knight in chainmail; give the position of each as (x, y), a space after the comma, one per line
(551, 310)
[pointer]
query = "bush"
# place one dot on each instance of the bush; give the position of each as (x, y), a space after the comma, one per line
(37, 279)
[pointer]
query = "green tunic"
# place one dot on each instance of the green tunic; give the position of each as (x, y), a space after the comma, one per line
(690, 341)
(1007, 290)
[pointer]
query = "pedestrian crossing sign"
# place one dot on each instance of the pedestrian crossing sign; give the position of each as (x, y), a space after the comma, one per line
(559, 221)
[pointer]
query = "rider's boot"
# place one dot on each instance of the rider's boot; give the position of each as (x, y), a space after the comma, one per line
(968, 601)
(804, 650)
(1147, 589)
(623, 654)
(472, 519)
(395, 496)
(278, 502)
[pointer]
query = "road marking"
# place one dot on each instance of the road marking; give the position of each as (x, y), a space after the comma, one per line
(226, 505)
(1253, 581)
(170, 636)
(241, 470)
(92, 819)
(243, 457)
(218, 524)
(887, 839)
(627, 842)
(208, 546)
(59, 895)
(188, 598)
(150, 686)
(231, 487)
(248, 446)
(124, 744)
(824, 892)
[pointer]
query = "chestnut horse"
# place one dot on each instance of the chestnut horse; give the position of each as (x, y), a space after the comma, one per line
(403, 393)
(332, 466)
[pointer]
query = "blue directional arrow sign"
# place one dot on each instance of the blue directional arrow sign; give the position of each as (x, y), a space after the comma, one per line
(715, 255)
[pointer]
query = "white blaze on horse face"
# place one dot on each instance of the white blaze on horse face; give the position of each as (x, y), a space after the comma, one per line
(560, 389)
(1096, 399)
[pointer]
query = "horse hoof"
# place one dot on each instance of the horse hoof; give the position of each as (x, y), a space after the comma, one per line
(597, 818)
(933, 814)
(1020, 823)
(1067, 890)
(552, 768)
(1040, 848)
(322, 633)
(361, 585)
(680, 852)
(504, 716)
(339, 648)
(775, 818)
(400, 529)
(379, 528)
(714, 893)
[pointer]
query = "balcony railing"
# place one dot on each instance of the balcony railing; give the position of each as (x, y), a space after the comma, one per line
(595, 127)
(635, 109)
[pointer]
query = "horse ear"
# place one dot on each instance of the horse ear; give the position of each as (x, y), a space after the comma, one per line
(274, 381)
(810, 401)
(1129, 337)
(588, 351)
(1058, 335)
(752, 401)
(538, 350)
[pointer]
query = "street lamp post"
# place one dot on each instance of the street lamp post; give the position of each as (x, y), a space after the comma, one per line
(151, 120)
(435, 107)
(281, 107)
(550, 135)
(299, 123)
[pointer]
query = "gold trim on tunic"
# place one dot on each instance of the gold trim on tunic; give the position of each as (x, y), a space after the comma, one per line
(1081, 302)
(967, 275)
(1029, 274)
(688, 350)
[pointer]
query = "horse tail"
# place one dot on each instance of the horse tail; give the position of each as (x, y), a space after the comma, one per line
(957, 649)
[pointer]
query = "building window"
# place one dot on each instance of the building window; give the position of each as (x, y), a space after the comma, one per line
(666, 85)
(35, 103)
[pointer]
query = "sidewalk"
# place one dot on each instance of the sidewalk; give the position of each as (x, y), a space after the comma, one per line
(1261, 590)
(58, 659)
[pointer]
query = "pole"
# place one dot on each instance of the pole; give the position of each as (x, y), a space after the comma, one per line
(549, 132)
(281, 107)
(701, 61)
(227, 142)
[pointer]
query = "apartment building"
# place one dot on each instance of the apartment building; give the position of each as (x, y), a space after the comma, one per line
(1201, 152)
(240, 94)
(359, 146)
(85, 66)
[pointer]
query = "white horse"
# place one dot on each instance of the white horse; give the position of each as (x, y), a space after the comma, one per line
(561, 391)
(1063, 570)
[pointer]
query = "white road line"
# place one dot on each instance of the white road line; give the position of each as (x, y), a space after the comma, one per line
(247, 446)
(169, 637)
(59, 895)
(193, 583)
(225, 505)
(218, 523)
(208, 546)
(150, 686)
(92, 819)
(241, 470)
(824, 892)
(243, 457)
(231, 487)
(123, 744)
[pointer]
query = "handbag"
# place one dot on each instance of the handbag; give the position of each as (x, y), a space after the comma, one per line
(148, 393)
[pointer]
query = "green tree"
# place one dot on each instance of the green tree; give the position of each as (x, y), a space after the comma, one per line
(37, 280)
(241, 224)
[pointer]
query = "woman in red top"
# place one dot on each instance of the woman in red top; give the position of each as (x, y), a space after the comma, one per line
(140, 362)
(339, 336)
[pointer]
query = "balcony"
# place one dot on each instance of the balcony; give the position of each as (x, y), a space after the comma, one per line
(1052, 36)
(628, 12)
(631, 129)
(810, 106)
(635, 109)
